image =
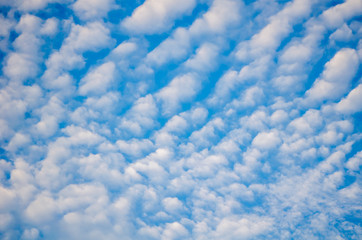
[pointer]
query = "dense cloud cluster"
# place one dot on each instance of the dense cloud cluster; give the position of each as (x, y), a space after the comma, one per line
(192, 119)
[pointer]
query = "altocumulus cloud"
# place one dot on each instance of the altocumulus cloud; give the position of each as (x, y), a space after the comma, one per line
(167, 119)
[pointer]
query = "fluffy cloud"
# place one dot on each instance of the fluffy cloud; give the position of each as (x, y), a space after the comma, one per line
(244, 228)
(92, 37)
(141, 116)
(180, 90)
(23, 63)
(175, 47)
(99, 80)
(350, 104)
(335, 79)
(156, 16)
(221, 16)
(266, 140)
(87, 10)
(211, 119)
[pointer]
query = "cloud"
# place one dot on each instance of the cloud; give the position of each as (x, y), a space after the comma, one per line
(245, 228)
(156, 16)
(91, 37)
(204, 59)
(211, 119)
(355, 162)
(141, 116)
(173, 48)
(343, 33)
(23, 63)
(181, 89)
(50, 27)
(350, 104)
(172, 205)
(34, 5)
(335, 79)
(135, 147)
(266, 140)
(308, 123)
(221, 16)
(88, 10)
(280, 25)
(174, 230)
(99, 80)
(336, 15)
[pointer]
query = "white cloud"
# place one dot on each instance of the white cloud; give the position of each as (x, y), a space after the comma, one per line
(42, 209)
(352, 102)
(250, 97)
(343, 33)
(47, 126)
(222, 15)
(224, 86)
(98, 81)
(124, 49)
(337, 15)
(78, 136)
(355, 162)
(296, 146)
(154, 172)
(309, 123)
(181, 89)
(18, 141)
(147, 141)
(87, 10)
(173, 48)
(30, 234)
(6, 26)
(244, 228)
(23, 63)
(174, 230)
(197, 115)
(256, 121)
(105, 104)
(279, 116)
(20, 67)
(156, 16)
(91, 37)
(267, 140)
(135, 147)
(176, 124)
(330, 137)
(270, 37)
(231, 81)
(8, 198)
(172, 205)
(34, 5)
(79, 196)
(101, 168)
(205, 58)
(141, 116)
(5, 29)
(336, 77)
(50, 27)
(208, 133)
(28, 23)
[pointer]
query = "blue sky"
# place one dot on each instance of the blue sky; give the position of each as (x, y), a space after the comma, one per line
(193, 119)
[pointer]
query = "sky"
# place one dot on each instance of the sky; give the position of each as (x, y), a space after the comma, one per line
(192, 119)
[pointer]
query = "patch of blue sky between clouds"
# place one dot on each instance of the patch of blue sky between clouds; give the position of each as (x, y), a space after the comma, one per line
(195, 119)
